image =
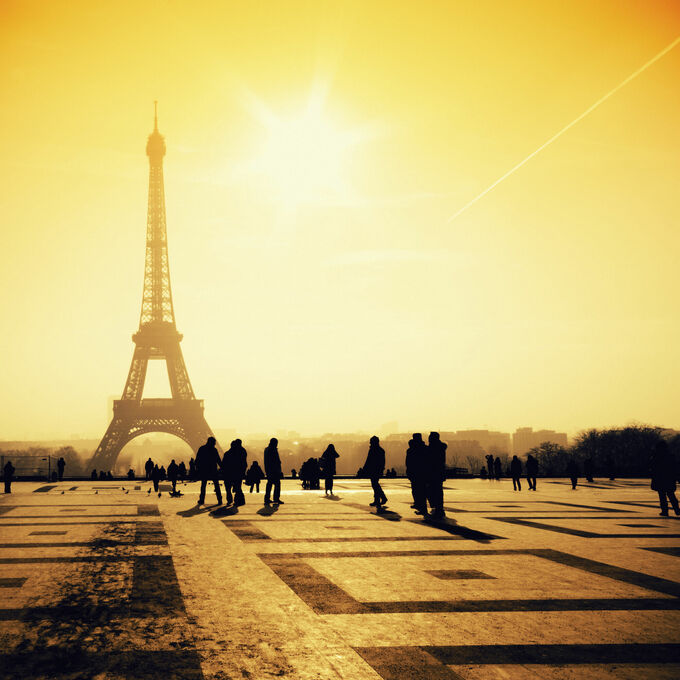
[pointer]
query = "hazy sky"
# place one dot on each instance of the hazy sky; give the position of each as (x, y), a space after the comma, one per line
(315, 153)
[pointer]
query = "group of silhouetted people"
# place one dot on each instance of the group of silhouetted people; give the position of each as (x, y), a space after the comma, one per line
(426, 470)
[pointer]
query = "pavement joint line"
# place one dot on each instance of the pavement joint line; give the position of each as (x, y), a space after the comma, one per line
(574, 532)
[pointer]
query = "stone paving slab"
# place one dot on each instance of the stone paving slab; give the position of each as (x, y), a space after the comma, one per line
(107, 580)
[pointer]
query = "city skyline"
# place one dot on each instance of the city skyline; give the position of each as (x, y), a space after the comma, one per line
(310, 176)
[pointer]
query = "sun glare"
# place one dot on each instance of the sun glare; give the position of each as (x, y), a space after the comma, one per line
(302, 158)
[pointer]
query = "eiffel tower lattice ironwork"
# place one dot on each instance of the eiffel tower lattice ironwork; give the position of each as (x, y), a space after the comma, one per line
(157, 339)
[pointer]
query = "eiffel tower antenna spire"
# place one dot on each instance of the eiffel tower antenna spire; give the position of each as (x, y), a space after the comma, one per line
(156, 339)
(155, 116)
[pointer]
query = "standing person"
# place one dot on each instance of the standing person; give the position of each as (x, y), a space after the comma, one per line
(272, 468)
(8, 472)
(489, 465)
(181, 471)
(572, 472)
(192, 470)
(239, 466)
(497, 468)
(207, 465)
(436, 474)
(226, 468)
(373, 468)
(254, 476)
(532, 472)
(327, 464)
(173, 472)
(664, 476)
(61, 464)
(155, 477)
(148, 466)
(415, 471)
(516, 473)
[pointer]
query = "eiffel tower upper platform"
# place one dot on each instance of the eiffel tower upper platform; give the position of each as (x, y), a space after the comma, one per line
(157, 338)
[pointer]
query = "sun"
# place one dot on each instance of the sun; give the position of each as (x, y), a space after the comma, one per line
(302, 158)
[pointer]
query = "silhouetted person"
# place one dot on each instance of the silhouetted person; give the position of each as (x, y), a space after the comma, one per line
(155, 477)
(8, 472)
(572, 472)
(109, 476)
(226, 468)
(416, 462)
(588, 468)
(93, 476)
(102, 476)
(61, 464)
(664, 475)
(272, 468)
(435, 474)
(532, 472)
(239, 462)
(373, 469)
(254, 476)
(207, 466)
(293, 473)
(148, 466)
(130, 474)
(181, 471)
(489, 466)
(192, 469)
(497, 468)
(328, 467)
(173, 472)
(516, 473)
(164, 474)
(483, 474)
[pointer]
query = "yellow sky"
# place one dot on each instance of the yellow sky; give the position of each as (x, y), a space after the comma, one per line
(330, 293)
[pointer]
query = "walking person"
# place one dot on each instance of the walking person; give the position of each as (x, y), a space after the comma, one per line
(415, 471)
(254, 476)
(239, 462)
(497, 469)
(272, 468)
(207, 467)
(173, 472)
(226, 468)
(532, 472)
(148, 467)
(8, 472)
(155, 477)
(328, 467)
(436, 474)
(664, 476)
(61, 464)
(373, 469)
(516, 473)
(573, 472)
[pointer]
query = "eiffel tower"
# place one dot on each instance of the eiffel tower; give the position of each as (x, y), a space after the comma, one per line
(157, 338)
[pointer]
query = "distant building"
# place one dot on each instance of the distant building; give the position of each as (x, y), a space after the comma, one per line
(489, 440)
(526, 438)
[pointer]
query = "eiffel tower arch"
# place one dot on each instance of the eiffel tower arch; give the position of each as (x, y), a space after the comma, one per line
(156, 339)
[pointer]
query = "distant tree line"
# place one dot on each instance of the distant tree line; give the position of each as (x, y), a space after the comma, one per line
(624, 451)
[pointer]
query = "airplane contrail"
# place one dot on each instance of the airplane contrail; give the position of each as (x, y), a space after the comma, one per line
(602, 99)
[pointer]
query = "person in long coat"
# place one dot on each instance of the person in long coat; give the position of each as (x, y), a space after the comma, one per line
(664, 477)
(272, 469)
(328, 467)
(516, 473)
(239, 463)
(532, 472)
(416, 462)
(435, 474)
(8, 473)
(373, 469)
(254, 476)
(207, 467)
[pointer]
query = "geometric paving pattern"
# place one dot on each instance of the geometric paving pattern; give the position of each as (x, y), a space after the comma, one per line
(547, 584)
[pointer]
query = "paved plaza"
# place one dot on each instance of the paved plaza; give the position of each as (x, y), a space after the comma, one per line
(105, 580)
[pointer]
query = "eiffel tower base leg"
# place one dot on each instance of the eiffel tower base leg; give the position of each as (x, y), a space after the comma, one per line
(132, 419)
